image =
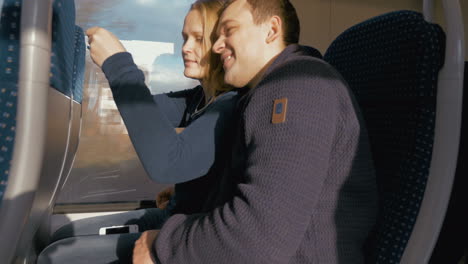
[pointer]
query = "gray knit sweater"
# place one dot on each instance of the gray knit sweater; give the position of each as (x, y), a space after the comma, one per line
(301, 191)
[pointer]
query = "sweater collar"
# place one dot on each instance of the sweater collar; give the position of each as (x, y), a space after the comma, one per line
(290, 52)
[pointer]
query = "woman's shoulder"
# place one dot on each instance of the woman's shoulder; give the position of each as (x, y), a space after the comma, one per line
(186, 93)
(224, 102)
(228, 95)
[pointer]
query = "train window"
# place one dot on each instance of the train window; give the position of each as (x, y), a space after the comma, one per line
(106, 167)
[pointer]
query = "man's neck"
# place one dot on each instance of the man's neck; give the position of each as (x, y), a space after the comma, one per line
(259, 76)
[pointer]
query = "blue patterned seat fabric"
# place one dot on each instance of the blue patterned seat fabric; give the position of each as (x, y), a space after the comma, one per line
(9, 62)
(67, 68)
(68, 51)
(78, 65)
(391, 63)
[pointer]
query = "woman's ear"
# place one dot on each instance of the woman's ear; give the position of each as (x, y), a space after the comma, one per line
(275, 29)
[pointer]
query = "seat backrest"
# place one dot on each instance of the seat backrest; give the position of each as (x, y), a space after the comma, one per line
(76, 108)
(63, 124)
(47, 122)
(9, 65)
(391, 63)
(23, 117)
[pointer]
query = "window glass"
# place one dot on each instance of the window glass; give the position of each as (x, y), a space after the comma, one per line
(106, 167)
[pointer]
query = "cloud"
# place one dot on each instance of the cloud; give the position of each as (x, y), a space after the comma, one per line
(168, 75)
(155, 20)
(170, 80)
(146, 2)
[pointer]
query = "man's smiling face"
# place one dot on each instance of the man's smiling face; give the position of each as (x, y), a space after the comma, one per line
(241, 44)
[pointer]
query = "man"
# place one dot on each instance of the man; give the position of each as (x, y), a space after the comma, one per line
(301, 186)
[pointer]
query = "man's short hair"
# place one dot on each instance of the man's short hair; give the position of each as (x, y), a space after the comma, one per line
(264, 9)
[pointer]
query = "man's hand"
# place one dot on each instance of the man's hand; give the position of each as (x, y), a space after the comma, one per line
(143, 248)
(102, 44)
(162, 199)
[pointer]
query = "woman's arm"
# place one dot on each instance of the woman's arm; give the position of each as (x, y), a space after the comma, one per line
(168, 156)
(103, 45)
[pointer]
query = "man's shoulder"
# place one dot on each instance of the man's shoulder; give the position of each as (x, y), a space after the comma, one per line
(299, 73)
(304, 67)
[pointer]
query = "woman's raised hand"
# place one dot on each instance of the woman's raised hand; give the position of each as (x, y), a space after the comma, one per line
(102, 44)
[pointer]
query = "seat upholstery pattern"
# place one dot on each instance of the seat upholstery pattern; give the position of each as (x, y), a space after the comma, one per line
(391, 63)
(67, 68)
(9, 63)
(78, 65)
(63, 45)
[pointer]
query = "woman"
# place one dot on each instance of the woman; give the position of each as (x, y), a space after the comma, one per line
(178, 136)
(205, 111)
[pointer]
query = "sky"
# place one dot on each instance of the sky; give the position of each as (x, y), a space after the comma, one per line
(149, 20)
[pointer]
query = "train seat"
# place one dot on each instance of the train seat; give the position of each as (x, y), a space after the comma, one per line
(391, 63)
(40, 116)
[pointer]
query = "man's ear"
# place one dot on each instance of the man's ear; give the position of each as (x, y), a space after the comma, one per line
(275, 29)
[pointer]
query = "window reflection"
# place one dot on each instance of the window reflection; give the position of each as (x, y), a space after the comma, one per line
(106, 167)
(144, 54)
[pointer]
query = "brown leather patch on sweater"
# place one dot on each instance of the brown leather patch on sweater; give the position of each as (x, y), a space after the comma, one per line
(280, 108)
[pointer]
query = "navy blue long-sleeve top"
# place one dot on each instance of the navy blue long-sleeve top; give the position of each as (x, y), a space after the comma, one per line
(191, 157)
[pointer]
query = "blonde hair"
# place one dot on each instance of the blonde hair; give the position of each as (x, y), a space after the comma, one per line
(213, 78)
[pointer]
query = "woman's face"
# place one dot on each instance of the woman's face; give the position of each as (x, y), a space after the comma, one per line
(192, 50)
